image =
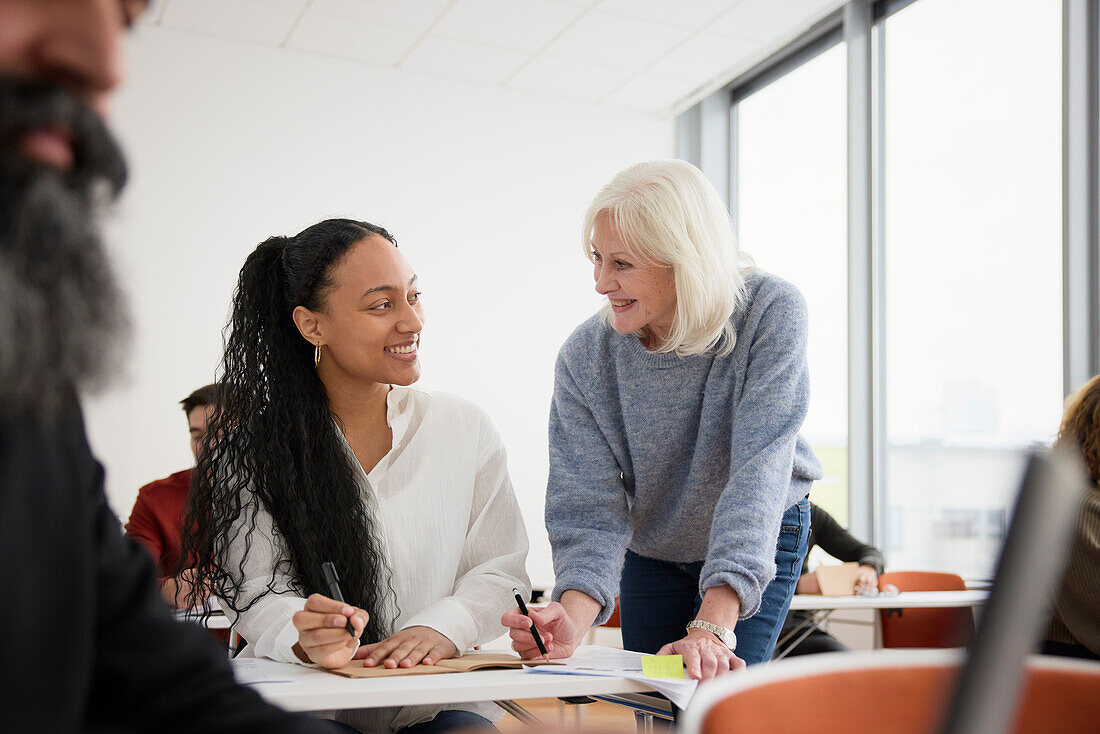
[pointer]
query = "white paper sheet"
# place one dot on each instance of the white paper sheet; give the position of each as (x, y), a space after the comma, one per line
(259, 670)
(607, 661)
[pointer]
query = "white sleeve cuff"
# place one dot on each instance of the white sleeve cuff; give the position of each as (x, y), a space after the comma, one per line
(273, 627)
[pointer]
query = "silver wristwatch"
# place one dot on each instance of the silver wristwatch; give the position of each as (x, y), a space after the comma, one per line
(725, 636)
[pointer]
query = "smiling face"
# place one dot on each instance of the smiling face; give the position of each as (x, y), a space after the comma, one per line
(642, 295)
(369, 326)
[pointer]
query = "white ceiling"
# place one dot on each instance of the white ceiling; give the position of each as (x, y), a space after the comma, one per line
(658, 56)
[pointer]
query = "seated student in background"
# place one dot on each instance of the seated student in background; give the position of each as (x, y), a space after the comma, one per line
(826, 532)
(1074, 628)
(324, 454)
(157, 518)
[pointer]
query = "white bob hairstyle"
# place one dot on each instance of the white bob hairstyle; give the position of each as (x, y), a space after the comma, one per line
(667, 213)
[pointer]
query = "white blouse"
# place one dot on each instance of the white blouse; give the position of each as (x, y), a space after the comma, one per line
(453, 535)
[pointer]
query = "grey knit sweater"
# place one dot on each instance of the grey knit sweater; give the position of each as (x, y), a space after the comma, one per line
(680, 458)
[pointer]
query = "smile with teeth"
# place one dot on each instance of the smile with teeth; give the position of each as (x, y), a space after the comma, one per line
(403, 348)
(620, 304)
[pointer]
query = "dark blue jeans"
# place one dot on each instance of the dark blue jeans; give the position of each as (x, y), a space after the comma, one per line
(658, 598)
(450, 720)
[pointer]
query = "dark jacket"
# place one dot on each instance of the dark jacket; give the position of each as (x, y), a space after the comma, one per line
(89, 644)
(839, 543)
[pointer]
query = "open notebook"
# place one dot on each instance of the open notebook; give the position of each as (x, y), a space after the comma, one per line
(464, 664)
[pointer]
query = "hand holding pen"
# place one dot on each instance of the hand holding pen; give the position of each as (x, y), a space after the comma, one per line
(554, 627)
(328, 629)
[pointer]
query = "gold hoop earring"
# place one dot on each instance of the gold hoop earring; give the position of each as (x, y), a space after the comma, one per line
(317, 355)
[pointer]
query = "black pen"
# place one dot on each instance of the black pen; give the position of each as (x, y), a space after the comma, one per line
(333, 581)
(534, 631)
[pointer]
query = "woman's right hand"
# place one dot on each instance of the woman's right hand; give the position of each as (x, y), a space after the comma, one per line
(322, 635)
(557, 629)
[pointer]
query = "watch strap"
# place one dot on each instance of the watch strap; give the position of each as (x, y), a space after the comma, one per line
(726, 636)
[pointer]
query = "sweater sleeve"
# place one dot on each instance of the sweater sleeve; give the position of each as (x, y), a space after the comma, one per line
(842, 545)
(587, 518)
(493, 560)
(1077, 605)
(766, 421)
(144, 528)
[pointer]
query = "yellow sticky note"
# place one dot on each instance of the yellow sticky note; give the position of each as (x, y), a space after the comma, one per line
(663, 666)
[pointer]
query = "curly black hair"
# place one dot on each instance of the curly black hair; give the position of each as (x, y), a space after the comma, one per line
(274, 442)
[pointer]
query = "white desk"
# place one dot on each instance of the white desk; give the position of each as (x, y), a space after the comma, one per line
(313, 690)
(904, 600)
(826, 605)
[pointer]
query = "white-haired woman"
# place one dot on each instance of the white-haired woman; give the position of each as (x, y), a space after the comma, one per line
(676, 465)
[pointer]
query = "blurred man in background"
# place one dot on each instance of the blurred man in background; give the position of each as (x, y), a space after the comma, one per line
(89, 644)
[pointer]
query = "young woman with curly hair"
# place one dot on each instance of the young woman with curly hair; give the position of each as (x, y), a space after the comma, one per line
(320, 452)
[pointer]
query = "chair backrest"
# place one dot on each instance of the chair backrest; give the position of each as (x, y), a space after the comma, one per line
(937, 627)
(897, 691)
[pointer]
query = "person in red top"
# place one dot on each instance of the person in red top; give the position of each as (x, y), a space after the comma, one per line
(157, 518)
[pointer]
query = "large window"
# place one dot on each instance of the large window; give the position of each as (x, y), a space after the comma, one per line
(973, 310)
(790, 202)
(966, 203)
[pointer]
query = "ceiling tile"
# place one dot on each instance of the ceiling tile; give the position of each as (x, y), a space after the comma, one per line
(766, 20)
(465, 60)
(526, 25)
(254, 21)
(333, 35)
(567, 78)
(684, 13)
(413, 15)
(613, 40)
(652, 93)
(704, 57)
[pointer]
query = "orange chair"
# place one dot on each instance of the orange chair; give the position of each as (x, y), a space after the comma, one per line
(925, 627)
(896, 691)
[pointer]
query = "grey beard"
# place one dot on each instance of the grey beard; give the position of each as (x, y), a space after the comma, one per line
(62, 316)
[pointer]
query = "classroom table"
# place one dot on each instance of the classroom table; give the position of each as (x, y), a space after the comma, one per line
(826, 605)
(313, 690)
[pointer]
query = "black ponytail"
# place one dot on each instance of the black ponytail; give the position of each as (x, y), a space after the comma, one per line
(273, 442)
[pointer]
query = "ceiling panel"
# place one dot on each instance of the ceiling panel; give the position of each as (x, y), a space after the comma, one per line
(646, 54)
(412, 15)
(525, 25)
(769, 19)
(705, 56)
(566, 78)
(652, 92)
(614, 40)
(254, 21)
(472, 61)
(333, 35)
(684, 13)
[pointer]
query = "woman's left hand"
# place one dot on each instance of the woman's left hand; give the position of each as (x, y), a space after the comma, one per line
(411, 646)
(704, 656)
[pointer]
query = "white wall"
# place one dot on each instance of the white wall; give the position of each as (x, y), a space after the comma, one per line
(483, 187)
